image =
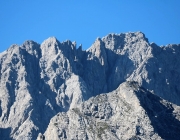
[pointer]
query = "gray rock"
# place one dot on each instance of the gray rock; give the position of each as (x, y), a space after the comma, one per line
(129, 112)
(38, 81)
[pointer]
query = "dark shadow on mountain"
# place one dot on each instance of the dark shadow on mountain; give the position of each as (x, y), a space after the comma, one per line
(42, 95)
(120, 67)
(99, 78)
(44, 109)
(44, 99)
(11, 83)
(0, 109)
(161, 115)
(5, 133)
(106, 78)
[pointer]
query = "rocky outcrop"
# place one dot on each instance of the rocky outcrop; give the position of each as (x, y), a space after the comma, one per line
(37, 81)
(129, 112)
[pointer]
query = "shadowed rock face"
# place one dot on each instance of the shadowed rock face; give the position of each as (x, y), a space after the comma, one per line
(129, 112)
(37, 81)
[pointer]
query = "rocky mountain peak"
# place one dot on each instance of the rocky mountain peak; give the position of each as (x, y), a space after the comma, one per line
(50, 40)
(50, 47)
(129, 112)
(122, 87)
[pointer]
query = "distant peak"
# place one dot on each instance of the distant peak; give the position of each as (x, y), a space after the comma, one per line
(13, 47)
(68, 42)
(74, 43)
(29, 43)
(98, 39)
(50, 40)
(140, 33)
(80, 47)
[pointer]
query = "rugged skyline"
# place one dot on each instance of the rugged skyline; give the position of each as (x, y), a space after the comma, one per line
(83, 21)
(41, 83)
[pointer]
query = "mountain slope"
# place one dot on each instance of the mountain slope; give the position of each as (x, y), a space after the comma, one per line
(37, 81)
(129, 112)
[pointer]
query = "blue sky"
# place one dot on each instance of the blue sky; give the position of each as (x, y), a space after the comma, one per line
(83, 20)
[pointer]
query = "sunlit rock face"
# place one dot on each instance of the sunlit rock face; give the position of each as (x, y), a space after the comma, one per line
(119, 88)
(129, 112)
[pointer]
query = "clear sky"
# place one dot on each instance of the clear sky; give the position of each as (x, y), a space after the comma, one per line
(85, 20)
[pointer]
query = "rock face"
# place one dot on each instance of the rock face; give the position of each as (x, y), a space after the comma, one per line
(129, 112)
(57, 81)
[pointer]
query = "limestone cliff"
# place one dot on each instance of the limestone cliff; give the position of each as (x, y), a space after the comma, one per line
(41, 82)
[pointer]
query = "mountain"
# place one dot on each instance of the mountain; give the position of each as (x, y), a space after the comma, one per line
(138, 81)
(129, 112)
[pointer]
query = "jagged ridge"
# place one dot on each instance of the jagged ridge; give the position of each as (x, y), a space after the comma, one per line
(39, 81)
(129, 112)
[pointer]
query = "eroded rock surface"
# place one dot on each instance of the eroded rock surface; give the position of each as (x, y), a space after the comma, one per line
(37, 81)
(129, 112)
